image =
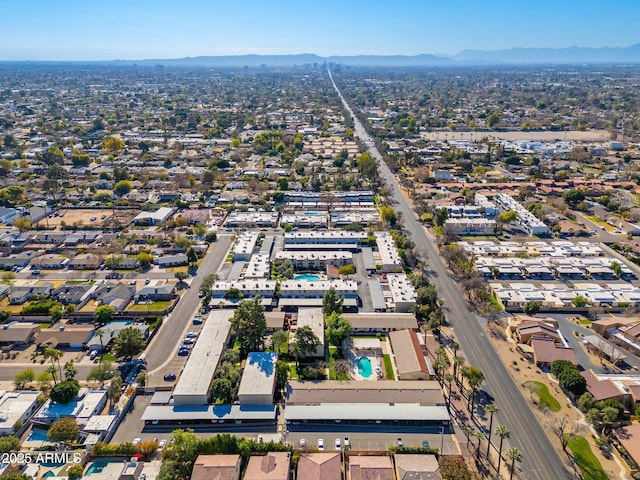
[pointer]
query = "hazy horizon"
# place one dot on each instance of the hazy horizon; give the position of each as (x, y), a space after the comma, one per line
(61, 30)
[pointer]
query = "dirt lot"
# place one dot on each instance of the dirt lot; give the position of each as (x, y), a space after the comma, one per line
(587, 136)
(89, 217)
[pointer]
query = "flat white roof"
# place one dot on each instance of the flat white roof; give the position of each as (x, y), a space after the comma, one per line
(209, 412)
(13, 405)
(314, 318)
(195, 380)
(259, 375)
(366, 411)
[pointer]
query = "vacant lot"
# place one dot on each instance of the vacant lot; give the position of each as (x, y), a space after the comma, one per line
(587, 136)
(84, 217)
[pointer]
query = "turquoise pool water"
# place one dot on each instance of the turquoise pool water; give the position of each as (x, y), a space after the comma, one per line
(307, 277)
(364, 367)
(99, 465)
(38, 435)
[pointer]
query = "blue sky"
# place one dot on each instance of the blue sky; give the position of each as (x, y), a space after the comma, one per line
(137, 29)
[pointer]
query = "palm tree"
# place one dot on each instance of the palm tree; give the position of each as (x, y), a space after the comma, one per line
(458, 363)
(515, 456)
(448, 378)
(54, 354)
(468, 431)
(101, 333)
(480, 436)
(503, 432)
(492, 409)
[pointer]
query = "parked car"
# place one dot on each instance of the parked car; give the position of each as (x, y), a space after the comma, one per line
(320, 444)
(162, 444)
(399, 442)
(347, 442)
(303, 443)
(35, 271)
(197, 320)
(169, 377)
(425, 443)
(183, 352)
(191, 335)
(188, 341)
(136, 441)
(338, 444)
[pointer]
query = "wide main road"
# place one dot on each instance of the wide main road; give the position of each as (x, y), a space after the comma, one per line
(540, 459)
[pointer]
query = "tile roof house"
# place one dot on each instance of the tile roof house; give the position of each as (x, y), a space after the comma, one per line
(416, 467)
(602, 389)
(85, 261)
(319, 466)
(546, 351)
(18, 333)
(217, 467)
(375, 467)
(115, 294)
(272, 466)
(67, 294)
(629, 437)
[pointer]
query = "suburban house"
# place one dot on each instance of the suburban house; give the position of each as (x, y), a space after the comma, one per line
(20, 294)
(67, 294)
(167, 261)
(18, 260)
(218, 467)
(85, 261)
(68, 336)
(50, 261)
(115, 294)
(18, 333)
(155, 293)
(629, 438)
(378, 467)
(320, 466)
(545, 351)
(154, 218)
(272, 466)
(416, 467)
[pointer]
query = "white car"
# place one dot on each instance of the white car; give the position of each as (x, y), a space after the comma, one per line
(136, 441)
(338, 444)
(321, 444)
(347, 443)
(303, 443)
(162, 444)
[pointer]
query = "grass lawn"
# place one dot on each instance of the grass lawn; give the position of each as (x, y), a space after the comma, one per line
(7, 307)
(585, 459)
(496, 304)
(151, 307)
(546, 399)
(109, 357)
(599, 222)
(388, 367)
(335, 354)
(293, 373)
(585, 321)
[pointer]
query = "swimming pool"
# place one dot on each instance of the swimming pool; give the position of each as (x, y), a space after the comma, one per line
(307, 277)
(38, 435)
(364, 367)
(99, 465)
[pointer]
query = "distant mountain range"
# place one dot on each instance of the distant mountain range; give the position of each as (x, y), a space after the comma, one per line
(571, 55)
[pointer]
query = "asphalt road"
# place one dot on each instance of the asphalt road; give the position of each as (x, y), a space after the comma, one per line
(161, 353)
(540, 458)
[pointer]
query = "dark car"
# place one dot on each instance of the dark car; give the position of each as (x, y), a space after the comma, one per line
(169, 377)
(183, 352)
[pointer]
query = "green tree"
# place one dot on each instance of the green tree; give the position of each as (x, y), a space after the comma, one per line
(9, 444)
(305, 341)
(65, 391)
(129, 342)
(181, 451)
(122, 188)
(278, 338)
(181, 276)
(337, 328)
(531, 308)
(514, 455)
(222, 390)
(54, 355)
(113, 262)
(440, 217)
(388, 215)
(115, 389)
(145, 259)
(616, 268)
(104, 314)
(367, 166)
(75, 472)
(492, 408)
(503, 432)
(101, 373)
(112, 144)
(52, 155)
(332, 302)
(192, 256)
(453, 468)
(64, 430)
(574, 197)
(23, 378)
(250, 324)
(508, 217)
(70, 371)
(580, 301)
